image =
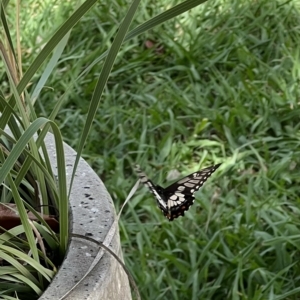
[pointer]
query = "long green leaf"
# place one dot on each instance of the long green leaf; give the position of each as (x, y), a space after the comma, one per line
(108, 64)
(58, 36)
(18, 149)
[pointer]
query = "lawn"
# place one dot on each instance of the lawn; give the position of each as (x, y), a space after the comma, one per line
(219, 84)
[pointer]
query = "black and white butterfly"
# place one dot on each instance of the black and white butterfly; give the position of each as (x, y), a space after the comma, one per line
(175, 199)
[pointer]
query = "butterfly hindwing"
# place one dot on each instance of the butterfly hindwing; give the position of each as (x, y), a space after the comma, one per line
(179, 196)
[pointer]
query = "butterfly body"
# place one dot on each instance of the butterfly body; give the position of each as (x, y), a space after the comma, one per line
(177, 198)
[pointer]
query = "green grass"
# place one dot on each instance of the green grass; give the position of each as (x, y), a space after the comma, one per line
(222, 87)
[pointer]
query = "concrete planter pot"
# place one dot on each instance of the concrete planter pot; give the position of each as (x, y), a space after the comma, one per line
(92, 214)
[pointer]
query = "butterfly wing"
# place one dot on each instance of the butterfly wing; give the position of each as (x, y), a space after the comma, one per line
(179, 196)
(157, 190)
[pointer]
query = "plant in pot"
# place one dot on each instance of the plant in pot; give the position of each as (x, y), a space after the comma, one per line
(34, 206)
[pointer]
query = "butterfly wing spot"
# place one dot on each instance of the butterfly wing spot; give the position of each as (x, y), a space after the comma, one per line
(183, 180)
(194, 181)
(179, 194)
(190, 185)
(181, 188)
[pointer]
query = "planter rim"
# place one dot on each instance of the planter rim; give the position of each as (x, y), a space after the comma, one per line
(92, 214)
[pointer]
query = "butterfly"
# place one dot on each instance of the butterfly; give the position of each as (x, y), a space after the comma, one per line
(177, 198)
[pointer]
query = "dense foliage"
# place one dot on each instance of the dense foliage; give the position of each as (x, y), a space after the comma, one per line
(217, 84)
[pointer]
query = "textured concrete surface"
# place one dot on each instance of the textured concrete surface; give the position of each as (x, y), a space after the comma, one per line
(92, 214)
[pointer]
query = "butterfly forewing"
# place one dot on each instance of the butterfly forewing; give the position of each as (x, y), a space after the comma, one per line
(155, 189)
(179, 196)
(191, 183)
